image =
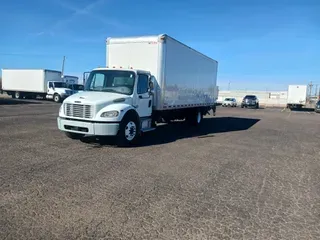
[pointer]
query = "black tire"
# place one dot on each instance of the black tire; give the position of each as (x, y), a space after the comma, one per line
(257, 106)
(242, 106)
(129, 131)
(76, 136)
(56, 98)
(195, 117)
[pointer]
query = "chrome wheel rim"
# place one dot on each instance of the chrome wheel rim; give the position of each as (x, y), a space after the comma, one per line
(130, 131)
(199, 117)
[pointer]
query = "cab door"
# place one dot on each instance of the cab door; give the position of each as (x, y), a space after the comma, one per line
(50, 88)
(144, 98)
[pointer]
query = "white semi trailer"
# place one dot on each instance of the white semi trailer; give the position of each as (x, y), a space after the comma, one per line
(30, 83)
(148, 80)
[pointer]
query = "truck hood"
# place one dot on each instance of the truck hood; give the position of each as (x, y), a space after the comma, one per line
(98, 99)
(62, 90)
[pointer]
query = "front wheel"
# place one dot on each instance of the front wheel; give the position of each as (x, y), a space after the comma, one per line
(129, 131)
(56, 98)
(76, 136)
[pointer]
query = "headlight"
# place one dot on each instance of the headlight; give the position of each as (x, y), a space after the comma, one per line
(110, 114)
(61, 109)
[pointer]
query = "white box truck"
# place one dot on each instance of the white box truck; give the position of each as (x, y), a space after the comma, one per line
(148, 80)
(30, 83)
(297, 96)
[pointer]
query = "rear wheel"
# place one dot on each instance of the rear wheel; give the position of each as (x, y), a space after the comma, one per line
(74, 135)
(195, 118)
(17, 95)
(129, 131)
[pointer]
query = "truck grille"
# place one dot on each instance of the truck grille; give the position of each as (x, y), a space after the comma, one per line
(78, 110)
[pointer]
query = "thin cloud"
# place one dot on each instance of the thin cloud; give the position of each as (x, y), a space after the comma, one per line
(88, 11)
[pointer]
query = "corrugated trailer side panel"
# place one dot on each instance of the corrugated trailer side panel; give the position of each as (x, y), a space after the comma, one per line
(24, 80)
(190, 77)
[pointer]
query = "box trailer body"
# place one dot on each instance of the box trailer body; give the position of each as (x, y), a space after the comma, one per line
(183, 76)
(30, 83)
(71, 79)
(148, 80)
(297, 95)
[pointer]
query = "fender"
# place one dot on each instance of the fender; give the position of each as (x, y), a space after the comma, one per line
(122, 108)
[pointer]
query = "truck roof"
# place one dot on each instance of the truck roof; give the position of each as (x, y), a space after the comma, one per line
(149, 38)
(29, 69)
(120, 69)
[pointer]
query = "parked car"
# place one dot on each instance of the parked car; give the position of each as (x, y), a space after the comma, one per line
(317, 107)
(229, 102)
(250, 101)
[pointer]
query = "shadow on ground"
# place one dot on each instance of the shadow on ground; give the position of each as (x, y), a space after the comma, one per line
(309, 109)
(237, 107)
(8, 101)
(180, 130)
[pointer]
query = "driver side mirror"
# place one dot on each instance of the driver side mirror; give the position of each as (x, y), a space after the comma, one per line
(151, 85)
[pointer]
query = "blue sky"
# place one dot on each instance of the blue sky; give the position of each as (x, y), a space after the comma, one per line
(259, 44)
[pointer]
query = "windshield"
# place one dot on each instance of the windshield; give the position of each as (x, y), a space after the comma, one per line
(250, 97)
(60, 85)
(111, 81)
(228, 99)
(76, 87)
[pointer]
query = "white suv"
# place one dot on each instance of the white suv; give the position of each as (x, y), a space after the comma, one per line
(229, 102)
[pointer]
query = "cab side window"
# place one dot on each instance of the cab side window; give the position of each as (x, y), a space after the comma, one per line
(142, 84)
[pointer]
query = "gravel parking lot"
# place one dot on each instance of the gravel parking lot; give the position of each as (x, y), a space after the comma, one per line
(244, 174)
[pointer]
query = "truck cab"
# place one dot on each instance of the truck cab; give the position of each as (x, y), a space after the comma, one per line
(75, 87)
(116, 102)
(57, 91)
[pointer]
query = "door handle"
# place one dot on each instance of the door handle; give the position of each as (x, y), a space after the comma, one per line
(140, 96)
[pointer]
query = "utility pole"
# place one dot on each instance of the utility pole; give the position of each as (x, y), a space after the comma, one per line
(62, 70)
(229, 86)
(310, 88)
(310, 91)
